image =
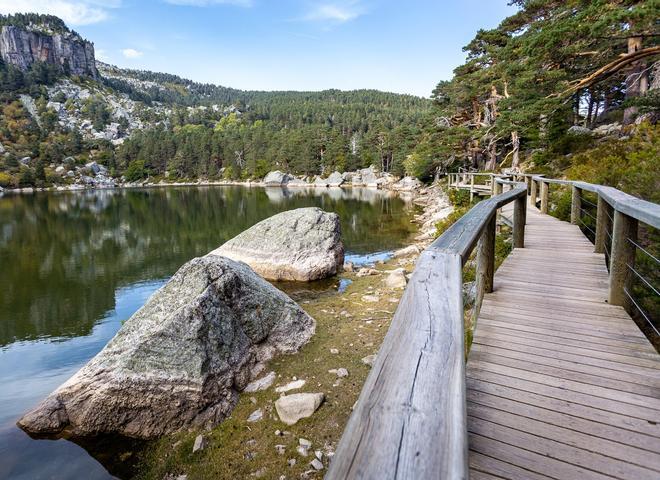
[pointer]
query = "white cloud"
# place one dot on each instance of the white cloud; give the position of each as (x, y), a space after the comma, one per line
(132, 53)
(73, 12)
(206, 3)
(335, 12)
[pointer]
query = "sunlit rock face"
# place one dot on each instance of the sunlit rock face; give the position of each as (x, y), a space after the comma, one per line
(297, 245)
(180, 360)
(22, 48)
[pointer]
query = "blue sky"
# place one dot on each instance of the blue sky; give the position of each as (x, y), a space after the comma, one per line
(400, 46)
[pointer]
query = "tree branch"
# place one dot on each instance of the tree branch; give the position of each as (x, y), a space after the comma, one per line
(608, 70)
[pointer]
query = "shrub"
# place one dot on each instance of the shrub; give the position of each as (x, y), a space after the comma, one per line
(6, 180)
(136, 171)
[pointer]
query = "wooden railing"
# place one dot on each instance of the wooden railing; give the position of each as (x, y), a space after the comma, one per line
(617, 220)
(410, 419)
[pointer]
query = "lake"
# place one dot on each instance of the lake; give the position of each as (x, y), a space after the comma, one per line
(76, 265)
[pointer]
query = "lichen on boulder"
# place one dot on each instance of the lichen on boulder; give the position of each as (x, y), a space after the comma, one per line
(297, 245)
(181, 359)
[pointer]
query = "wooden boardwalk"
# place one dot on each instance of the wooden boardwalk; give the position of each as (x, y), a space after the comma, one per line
(559, 383)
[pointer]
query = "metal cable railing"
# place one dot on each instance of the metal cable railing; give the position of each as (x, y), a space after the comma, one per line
(643, 291)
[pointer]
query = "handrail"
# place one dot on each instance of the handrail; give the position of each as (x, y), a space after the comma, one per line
(646, 212)
(410, 420)
(617, 219)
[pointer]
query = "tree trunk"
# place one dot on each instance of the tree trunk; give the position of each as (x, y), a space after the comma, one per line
(492, 155)
(515, 141)
(636, 81)
(590, 109)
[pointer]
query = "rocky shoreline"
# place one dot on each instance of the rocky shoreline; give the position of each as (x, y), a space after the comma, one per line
(94, 176)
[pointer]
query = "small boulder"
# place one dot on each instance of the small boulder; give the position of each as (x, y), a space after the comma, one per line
(300, 245)
(579, 130)
(342, 372)
(93, 167)
(320, 182)
(369, 360)
(256, 416)
(316, 464)
(200, 443)
(260, 384)
(60, 170)
(296, 384)
(180, 360)
(335, 179)
(396, 278)
(406, 252)
(365, 272)
(407, 184)
(292, 408)
(608, 130)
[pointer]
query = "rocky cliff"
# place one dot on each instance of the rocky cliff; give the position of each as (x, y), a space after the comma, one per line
(22, 47)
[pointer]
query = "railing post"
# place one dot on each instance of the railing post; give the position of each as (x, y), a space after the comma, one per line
(602, 225)
(534, 192)
(544, 196)
(576, 205)
(471, 187)
(622, 257)
(498, 188)
(519, 220)
(485, 263)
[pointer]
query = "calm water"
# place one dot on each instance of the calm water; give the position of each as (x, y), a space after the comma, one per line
(73, 266)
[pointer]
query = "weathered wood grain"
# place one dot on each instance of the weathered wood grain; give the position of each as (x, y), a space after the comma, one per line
(622, 257)
(410, 419)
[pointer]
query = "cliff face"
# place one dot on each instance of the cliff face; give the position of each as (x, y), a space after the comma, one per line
(22, 48)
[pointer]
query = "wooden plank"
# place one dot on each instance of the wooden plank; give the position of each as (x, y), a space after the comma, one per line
(582, 336)
(570, 370)
(559, 451)
(519, 406)
(481, 383)
(645, 363)
(483, 463)
(536, 463)
(483, 370)
(586, 343)
(582, 441)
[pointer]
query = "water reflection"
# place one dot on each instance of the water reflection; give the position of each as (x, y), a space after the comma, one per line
(66, 254)
(75, 265)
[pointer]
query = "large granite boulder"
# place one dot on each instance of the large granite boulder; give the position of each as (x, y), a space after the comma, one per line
(181, 359)
(300, 245)
(277, 178)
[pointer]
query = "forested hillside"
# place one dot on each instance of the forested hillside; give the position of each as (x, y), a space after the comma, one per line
(155, 125)
(551, 66)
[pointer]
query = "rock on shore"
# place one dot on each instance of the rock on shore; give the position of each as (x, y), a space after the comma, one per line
(181, 359)
(300, 245)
